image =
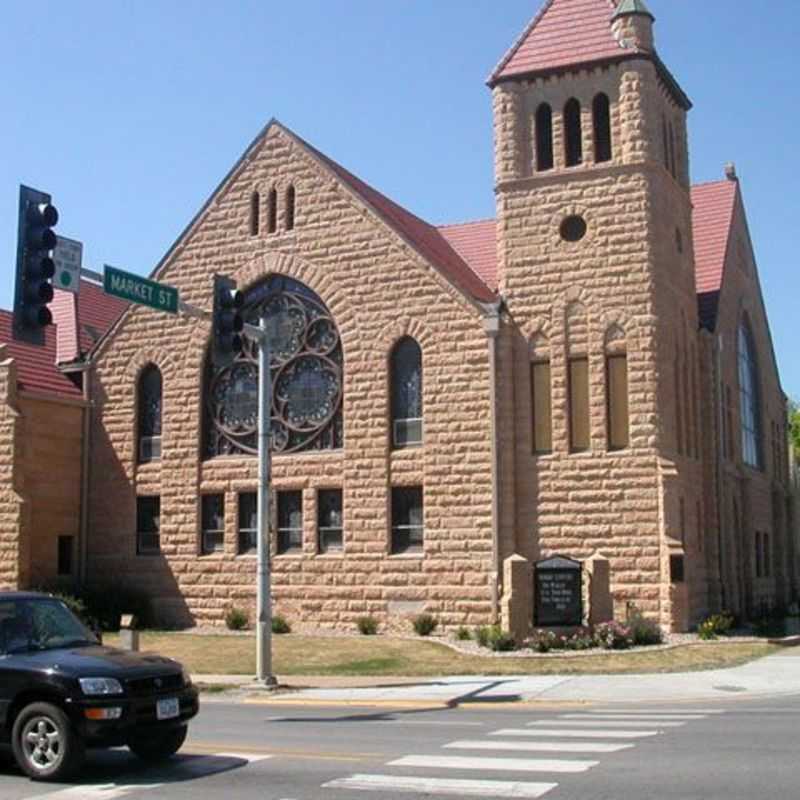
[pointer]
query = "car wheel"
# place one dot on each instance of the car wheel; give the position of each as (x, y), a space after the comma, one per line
(45, 745)
(159, 746)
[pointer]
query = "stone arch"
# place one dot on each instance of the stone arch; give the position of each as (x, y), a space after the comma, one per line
(576, 317)
(615, 339)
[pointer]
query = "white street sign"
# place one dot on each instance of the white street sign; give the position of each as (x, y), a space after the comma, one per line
(68, 256)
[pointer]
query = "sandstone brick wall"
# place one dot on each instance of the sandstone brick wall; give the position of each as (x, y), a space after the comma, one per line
(52, 470)
(377, 289)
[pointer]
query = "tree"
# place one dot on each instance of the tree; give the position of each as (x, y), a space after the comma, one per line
(794, 424)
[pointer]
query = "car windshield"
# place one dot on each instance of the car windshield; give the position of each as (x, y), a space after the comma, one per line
(39, 623)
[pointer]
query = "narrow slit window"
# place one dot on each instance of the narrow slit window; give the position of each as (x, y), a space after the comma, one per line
(290, 522)
(248, 523)
(573, 136)
(542, 405)
(148, 525)
(601, 114)
(544, 138)
(329, 521)
(213, 523)
(407, 520)
(290, 199)
(255, 213)
(149, 416)
(579, 404)
(65, 549)
(272, 211)
(618, 421)
(406, 393)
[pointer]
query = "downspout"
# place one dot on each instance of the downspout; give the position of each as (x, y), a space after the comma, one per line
(720, 455)
(491, 325)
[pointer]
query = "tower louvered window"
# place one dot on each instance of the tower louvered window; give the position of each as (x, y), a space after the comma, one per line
(573, 136)
(544, 138)
(601, 116)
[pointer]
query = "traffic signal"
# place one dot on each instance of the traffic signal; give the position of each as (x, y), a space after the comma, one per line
(228, 320)
(35, 267)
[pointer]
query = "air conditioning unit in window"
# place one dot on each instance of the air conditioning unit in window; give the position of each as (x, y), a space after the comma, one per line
(407, 432)
(149, 449)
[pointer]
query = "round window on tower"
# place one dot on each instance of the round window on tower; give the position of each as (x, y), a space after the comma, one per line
(573, 228)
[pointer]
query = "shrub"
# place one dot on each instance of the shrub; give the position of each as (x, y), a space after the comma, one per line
(582, 639)
(644, 631)
(236, 619)
(424, 625)
(482, 635)
(544, 641)
(463, 634)
(280, 625)
(716, 625)
(77, 607)
(501, 641)
(367, 626)
(613, 636)
(101, 606)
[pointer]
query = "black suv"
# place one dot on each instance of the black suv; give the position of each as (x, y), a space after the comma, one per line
(61, 691)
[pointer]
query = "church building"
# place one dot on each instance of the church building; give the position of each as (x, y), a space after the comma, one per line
(586, 380)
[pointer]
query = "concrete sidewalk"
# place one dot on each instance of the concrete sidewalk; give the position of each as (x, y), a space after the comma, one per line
(771, 676)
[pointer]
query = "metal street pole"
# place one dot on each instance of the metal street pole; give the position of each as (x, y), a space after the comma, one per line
(264, 597)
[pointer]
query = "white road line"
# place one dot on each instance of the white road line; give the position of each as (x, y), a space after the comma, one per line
(644, 717)
(644, 711)
(571, 733)
(459, 788)
(107, 791)
(497, 764)
(539, 747)
(250, 758)
(601, 723)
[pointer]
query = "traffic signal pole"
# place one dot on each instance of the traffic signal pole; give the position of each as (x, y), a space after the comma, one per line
(264, 592)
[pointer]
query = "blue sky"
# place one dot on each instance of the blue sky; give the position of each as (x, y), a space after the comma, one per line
(130, 113)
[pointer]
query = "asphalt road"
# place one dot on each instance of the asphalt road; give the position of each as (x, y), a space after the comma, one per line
(730, 751)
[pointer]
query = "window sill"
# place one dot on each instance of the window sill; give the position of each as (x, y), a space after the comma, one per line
(409, 554)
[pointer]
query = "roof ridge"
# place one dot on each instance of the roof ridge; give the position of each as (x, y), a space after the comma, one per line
(466, 222)
(718, 182)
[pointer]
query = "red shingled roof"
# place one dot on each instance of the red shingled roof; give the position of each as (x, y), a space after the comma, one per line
(564, 33)
(427, 239)
(36, 366)
(714, 204)
(476, 243)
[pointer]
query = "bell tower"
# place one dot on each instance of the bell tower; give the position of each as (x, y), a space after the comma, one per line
(595, 265)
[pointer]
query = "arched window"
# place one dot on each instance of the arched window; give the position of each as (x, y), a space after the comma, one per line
(272, 211)
(406, 393)
(573, 137)
(749, 405)
(149, 414)
(255, 213)
(544, 138)
(601, 115)
(307, 367)
(290, 208)
(578, 391)
(541, 396)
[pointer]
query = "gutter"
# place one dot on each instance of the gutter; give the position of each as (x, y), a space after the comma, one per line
(491, 325)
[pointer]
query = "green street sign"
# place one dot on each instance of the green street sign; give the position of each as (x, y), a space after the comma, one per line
(139, 290)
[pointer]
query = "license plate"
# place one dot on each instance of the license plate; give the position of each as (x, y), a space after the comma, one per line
(168, 708)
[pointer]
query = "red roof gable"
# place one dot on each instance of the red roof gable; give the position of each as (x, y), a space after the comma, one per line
(427, 239)
(564, 33)
(476, 243)
(712, 218)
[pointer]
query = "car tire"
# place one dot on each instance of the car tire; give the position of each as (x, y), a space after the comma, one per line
(46, 746)
(153, 747)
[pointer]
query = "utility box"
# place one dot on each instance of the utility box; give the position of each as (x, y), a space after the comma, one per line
(128, 637)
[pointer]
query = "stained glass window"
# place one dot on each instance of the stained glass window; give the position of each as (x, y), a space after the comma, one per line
(749, 407)
(406, 383)
(149, 414)
(307, 377)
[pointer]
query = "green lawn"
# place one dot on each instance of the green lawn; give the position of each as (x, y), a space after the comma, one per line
(297, 655)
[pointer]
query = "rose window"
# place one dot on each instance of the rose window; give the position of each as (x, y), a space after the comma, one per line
(306, 371)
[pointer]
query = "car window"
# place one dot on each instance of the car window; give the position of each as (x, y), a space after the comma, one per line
(39, 624)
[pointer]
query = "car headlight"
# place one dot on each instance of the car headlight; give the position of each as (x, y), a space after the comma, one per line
(100, 686)
(187, 678)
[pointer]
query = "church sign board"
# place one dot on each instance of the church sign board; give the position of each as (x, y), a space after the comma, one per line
(558, 598)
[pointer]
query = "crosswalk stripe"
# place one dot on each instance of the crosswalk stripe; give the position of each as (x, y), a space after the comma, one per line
(108, 791)
(460, 788)
(572, 733)
(644, 711)
(601, 723)
(539, 747)
(643, 717)
(502, 764)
